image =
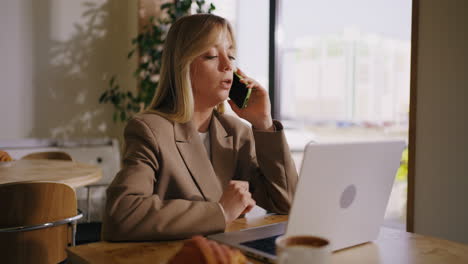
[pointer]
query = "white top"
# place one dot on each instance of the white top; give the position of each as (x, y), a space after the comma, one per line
(205, 138)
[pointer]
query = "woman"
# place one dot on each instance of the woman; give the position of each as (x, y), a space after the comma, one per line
(188, 168)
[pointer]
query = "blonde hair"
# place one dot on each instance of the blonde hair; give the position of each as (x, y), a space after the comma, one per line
(188, 38)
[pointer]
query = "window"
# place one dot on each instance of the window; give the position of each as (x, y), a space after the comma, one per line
(344, 73)
(345, 62)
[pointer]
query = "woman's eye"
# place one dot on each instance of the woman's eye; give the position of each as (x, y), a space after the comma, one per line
(211, 57)
(232, 58)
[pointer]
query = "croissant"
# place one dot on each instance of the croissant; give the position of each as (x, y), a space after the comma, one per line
(200, 250)
(4, 156)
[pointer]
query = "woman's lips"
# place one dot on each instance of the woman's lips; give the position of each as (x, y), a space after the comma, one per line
(226, 84)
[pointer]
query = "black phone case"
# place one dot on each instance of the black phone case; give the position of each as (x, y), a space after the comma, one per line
(239, 92)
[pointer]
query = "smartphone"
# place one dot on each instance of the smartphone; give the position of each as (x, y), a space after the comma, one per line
(239, 92)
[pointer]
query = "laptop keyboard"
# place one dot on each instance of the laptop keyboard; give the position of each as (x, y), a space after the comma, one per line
(266, 245)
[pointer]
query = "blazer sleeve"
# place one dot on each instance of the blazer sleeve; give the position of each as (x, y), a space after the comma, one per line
(270, 170)
(134, 212)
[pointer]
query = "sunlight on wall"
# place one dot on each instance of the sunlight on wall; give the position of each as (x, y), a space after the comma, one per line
(62, 55)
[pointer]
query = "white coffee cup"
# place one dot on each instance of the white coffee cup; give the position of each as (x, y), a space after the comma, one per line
(302, 249)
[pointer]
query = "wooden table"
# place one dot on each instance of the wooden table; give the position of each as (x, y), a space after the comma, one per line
(72, 173)
(392, 246)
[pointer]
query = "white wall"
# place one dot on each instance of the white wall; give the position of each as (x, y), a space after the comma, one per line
(441, 180)
(56, 59)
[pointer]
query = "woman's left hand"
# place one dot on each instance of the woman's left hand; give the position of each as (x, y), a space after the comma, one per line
(258, 110)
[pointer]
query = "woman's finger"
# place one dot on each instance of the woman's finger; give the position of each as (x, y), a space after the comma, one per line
(249, 207)
(243, 184)
(241, 73)
(251, 83)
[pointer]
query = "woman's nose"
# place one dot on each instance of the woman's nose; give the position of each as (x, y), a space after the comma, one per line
(226, 64)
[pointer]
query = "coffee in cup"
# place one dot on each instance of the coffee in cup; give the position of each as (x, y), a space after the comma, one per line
(302, 249)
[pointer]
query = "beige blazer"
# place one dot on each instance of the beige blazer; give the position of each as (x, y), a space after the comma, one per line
(169, 188)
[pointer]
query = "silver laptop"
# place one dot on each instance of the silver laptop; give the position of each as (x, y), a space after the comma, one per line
(342, 194)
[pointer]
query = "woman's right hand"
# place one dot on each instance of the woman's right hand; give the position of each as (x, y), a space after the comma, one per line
(236, 200)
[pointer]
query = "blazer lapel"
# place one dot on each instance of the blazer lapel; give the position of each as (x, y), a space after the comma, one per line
(222, 153)
(193, 152)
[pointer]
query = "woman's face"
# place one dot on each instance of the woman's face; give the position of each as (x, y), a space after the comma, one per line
(211, 73)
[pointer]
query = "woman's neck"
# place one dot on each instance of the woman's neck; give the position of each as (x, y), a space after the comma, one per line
(202, 118)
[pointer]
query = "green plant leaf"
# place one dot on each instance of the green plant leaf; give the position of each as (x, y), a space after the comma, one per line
(103, 98)
(212, 8)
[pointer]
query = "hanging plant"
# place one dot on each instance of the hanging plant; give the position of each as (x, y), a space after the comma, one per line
(149, 44)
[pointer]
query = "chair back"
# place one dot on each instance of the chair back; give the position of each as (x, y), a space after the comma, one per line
(35, 203)
(53, 155)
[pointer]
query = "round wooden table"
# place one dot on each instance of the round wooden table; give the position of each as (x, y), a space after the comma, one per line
(73, 173)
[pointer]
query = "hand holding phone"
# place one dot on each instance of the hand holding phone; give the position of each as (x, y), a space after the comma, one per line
(239, 92)
(250, 91)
